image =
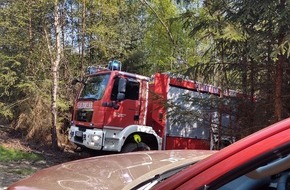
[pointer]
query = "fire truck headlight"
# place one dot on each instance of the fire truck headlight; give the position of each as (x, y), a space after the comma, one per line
(95, 138)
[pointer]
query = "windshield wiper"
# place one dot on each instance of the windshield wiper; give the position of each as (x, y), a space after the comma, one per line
(148, 184)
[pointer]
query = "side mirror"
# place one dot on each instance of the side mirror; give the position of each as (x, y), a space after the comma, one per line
(121, 89)
(122, 85)
(120, 96)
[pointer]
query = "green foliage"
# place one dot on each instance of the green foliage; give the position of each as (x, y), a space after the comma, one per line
(112, 30)
(245, 41)
(167, 46)
(23, 171)
(14, 155)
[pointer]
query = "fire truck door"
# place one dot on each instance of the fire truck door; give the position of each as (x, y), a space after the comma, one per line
(128, 111)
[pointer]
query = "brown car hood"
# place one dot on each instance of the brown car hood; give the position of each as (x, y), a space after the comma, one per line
(119, 171)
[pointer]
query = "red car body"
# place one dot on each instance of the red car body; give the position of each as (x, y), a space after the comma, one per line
(231, 161)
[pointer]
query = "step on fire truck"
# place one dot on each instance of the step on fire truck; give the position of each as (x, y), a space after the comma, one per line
(124, 112)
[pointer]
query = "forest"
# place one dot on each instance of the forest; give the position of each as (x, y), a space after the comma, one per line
(233, 44)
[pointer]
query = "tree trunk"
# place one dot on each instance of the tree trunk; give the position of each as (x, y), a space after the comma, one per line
(30, 66)
(279, 72)
(251, 112)
(55, 70)
(278, 87)
(83, 37)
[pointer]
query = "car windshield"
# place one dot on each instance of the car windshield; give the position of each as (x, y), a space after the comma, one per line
(95, 87)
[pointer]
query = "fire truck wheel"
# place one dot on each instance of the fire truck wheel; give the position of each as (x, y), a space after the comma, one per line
(133, 147)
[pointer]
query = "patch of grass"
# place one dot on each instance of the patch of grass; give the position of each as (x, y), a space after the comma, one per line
(7, 155)
(23, 171)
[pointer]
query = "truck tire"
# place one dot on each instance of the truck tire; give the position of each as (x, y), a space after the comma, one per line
(133, 147)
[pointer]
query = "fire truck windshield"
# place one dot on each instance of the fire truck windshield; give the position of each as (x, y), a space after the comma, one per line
(95, 87)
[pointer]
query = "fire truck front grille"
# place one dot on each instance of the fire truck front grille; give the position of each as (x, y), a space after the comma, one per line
(84, 115)
(80, 138)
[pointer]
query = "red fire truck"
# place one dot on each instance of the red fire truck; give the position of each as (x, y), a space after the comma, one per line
(123, 112)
